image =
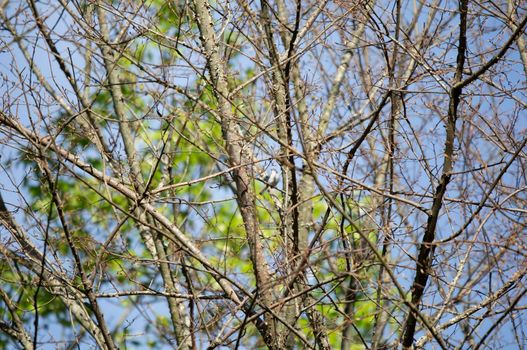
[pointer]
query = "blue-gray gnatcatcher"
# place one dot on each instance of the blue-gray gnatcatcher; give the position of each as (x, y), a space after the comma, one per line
(270, 180)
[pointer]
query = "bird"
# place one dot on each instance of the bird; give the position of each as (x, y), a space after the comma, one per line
(270, 179)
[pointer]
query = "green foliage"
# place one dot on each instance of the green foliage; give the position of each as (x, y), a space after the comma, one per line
(192, 146)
